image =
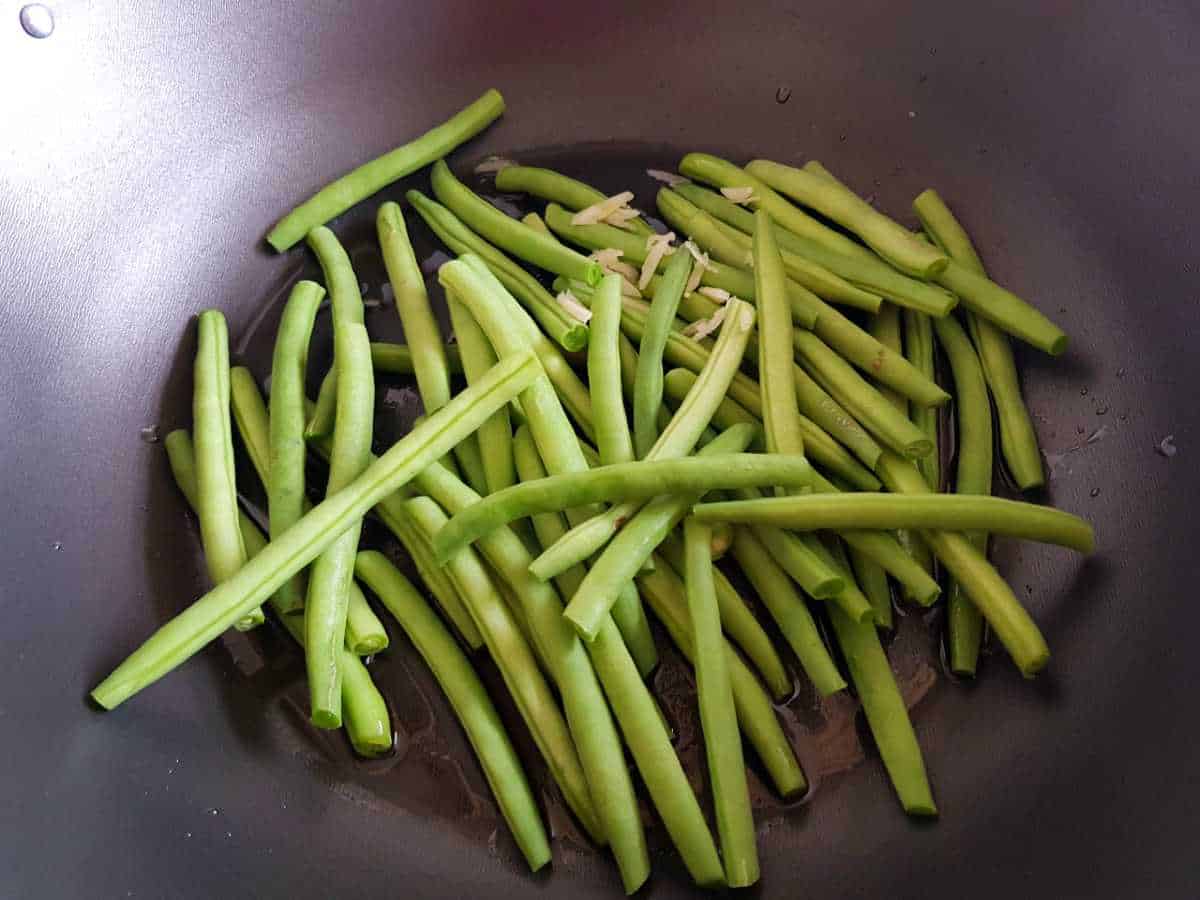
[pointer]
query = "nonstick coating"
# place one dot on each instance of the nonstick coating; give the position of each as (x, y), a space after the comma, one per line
(147, 147)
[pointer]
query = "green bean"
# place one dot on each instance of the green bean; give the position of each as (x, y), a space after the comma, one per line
(186, 633)
(885, 328)
(345, 297)
(568, 332)
(973, 475)
(648, 389)
(635, 541)
(494, 440)
(886, 714)
(733, 248)
(816, 403)
(739, 622)
(320, 419)
(861, 399)
(788, 609)
(508, 234)
(285, 435)
(722, 741)
(794, 556)
(872, 579)
(224, 552)
(397, 359)
(604, 375)
(970, 568)
(861, 269)
(537, 223)
(632, 705)
(677, 439)
(256, 431)
(338, 196)
(1018, 441)
(367, 721)
(1003, 308)
(918, 347)
(665, 593)
(781, 415)
(365, 634)
(514, 658)
(557, 188)
(838, 203)
(329, 580)
(469, 700)
(412, 305)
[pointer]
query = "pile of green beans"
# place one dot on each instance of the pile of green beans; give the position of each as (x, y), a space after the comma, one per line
(565, 476)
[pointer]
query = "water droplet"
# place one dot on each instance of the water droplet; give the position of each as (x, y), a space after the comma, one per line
(149, 434)
(1102, 409)
(1121, 373)
(57, 545)
(783, 94)
(229, 834)
(842, 138)
(1079, 429)
(214, 811)
(1083, 392)
(912, 113)
(1166, 447)
(187, 834)
(37, 20)
(1094, 492)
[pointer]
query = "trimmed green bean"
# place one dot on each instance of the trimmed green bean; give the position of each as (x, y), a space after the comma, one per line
(285, 430)
(224, 553)
(885, 328)
(537, 223)
(788, 609)
(918, 347)
(722, 741)
(329, 579)
(365, 713)
(970, 568)
(508, 234)
(338, 196)
(470, 701)
(973, 475)
(872, 579)
(648, 388)
(1003, 308)
(1018, 441)
(604, 375)
(557, 188)
(514, 658)
(560, 325)
(886, 714)
(864, 270)
(665, 593)
(777, 387)
(861, 399)
(841, 205)
(833, 418)
(365, 634)
(397, 359)
(187, 632)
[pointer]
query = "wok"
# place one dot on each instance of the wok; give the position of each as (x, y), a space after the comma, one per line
(147, 148)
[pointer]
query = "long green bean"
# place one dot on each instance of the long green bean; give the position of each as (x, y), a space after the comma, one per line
(345, 296)
(919, 349)
(365, 713)
(666, 595)
(469, 699)
(863, 270)
(833, 418)
(788, 609)
(186, 633)
(648, 388)
(557, 188)
(1003, 308)
(973, 475)
(329, 580)
(286, 447)
(872, 579)
(252, 420)
(509, 234)
(886, 714)
(338, 196)
(1018, 441)
(613, 439)
(632, 704)
(718, 718)
(561, 326)
(885, 328)
(781, 414)
(224, 553)
(838, 203)
(514, 658)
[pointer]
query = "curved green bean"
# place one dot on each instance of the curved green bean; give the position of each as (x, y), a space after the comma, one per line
(604, 375)
(722, 741)
(345, 296)
(665, 593)
(329, 579)
(509, 234)
(557, 188)
(839, 204)
(648, 388)
(973, 475)
(869, 273)
(365, 713)
(285, 431)
(789, 610)
(563, 328)
(338, 196)
(202, 621)
(469, 699)
(1018, 441)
